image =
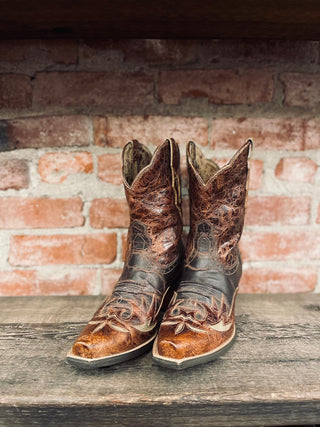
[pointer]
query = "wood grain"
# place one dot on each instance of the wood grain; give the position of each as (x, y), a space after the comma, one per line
(270, 376)
(182, 18)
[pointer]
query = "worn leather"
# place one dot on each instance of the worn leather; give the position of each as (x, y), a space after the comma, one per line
(200, 318)
(129, 317)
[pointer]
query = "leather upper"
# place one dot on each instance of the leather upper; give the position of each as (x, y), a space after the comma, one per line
(129, 317)
(200, 318)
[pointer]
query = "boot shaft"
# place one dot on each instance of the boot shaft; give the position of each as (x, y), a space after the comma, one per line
(152, 188)
(217, 203)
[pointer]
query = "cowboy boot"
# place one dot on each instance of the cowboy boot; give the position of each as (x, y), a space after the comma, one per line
(126, 323)
(199, 322)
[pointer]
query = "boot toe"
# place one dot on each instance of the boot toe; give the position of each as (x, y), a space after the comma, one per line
(184, 345)
(189, 348)
(101, 344)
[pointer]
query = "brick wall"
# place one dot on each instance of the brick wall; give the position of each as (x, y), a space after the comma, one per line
(68, 107)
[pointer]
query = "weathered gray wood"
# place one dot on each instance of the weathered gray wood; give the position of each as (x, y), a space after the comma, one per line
(271, 376)
(47, 309)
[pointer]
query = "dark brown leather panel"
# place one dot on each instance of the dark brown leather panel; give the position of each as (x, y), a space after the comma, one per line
(154, 200)
(129, 317)
(200, 319)
(220, 201)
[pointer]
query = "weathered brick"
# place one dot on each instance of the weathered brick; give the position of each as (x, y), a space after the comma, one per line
(39, 52)
(84, 89)
(99, 53)
(159, 51)
(219, 86)
(301, 89)
(256, 174)
(109, 278)
(18, 283)
(281, 245)
(258, 51)
(284, 280)
(109, 213)
(55, 168)
(296, 169)
(109, 168)
(278, 210)
(267, 134)
(31, 282)
(79, 281)
(63, 249)
(117, 131)
(61, 51)
(312, 134)
(100, 131)
(14, 174)
(318, 216)
(15, 91)
(124, 244)
(54, 131)
(40, 212)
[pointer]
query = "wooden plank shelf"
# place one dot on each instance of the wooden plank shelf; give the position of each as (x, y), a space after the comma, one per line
(277, 19)
(271, 375)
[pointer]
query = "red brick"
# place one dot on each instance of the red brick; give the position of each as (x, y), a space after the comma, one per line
(282, 245)
(256, 171)
(117, 131)
(124, 243)
(100, 131)
(109, 278)
(54, 131)
(296, 169)
(83, 89)
(30, 282)
(55, 168)
(219, 86)
(18, 283)
(160, 51)
(42, 52)
(15, 91)
(267, 134)
(256, 174)
(40, 212)
(109, 213)
(109, 168)
(312, 134)
(14, 174)
(278, 210)
(284, 280)
(301, 90)
(61, 51)
(258, 51)
(63, 249)
(99, 53)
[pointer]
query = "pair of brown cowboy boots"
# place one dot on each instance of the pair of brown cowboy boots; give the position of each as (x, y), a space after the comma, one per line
(200, 282)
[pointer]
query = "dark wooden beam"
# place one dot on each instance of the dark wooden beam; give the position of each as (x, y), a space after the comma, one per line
(282, 19)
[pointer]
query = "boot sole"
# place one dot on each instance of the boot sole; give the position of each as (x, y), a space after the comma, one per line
(188, 362)
(84, 363)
